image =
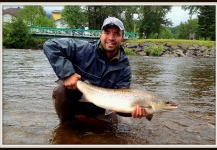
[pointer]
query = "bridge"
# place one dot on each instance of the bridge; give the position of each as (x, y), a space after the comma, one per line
(46, 32)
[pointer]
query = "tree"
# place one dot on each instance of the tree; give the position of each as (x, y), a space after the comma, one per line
(129, 21)
(152, 19)
(74, 16)
(16, 35)
(173, 30)
(95, 17)
(97, 14)
(206, 21)
(165, 33)
(45, 22)
(193, 9)
(35, 16)
(184, 29)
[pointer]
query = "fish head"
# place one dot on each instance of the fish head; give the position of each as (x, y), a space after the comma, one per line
(160, 106)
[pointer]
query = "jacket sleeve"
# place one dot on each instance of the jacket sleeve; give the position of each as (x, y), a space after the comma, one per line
(60, 53)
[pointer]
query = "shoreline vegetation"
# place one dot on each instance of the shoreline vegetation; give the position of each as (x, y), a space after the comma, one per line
(170, 48)
(160, 47)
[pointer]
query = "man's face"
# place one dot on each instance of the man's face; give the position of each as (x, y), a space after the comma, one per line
(111, 38)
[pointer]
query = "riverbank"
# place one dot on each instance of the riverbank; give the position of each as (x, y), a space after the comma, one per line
(171, 48)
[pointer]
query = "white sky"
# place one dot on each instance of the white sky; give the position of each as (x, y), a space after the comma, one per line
(177, 15)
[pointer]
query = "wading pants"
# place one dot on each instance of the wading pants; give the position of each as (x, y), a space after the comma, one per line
(67, 105)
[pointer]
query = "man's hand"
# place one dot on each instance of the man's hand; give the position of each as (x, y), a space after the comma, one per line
(138, 112)
(71, 81)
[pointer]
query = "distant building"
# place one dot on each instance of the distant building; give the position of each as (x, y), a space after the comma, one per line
(9, 14)
(58, 19)
(56, 14)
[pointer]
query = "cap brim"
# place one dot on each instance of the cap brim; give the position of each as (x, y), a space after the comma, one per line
(107, 25)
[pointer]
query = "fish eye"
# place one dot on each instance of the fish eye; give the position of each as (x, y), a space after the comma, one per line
(167, 102)
(149, 107)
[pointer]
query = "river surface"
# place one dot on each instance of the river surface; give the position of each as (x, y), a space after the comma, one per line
(29, 118)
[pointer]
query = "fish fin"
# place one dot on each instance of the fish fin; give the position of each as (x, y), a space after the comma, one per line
(84, 99)
(60, 82)
(107, 112)
(113, 117)
(149, 117)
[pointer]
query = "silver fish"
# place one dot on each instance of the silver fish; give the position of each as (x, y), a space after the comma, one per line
(124, 100)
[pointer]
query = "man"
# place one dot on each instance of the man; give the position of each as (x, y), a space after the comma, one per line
(103, 64)
(82, 30)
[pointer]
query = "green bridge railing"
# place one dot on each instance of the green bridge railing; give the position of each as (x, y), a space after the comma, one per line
(71, 32)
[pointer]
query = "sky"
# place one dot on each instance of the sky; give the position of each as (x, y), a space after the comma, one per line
(177, 15)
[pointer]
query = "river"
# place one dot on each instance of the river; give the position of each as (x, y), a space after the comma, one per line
(29, 118)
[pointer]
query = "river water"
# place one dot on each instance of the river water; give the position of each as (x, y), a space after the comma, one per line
(29, 118)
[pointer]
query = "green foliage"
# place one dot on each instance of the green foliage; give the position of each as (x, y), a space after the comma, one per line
(173, 30)
(97, 14)
(38, 43)
(129, 52)
(16, 35)
(45, 22)
(172, 42)
(206, 21)
(154, 50)
(74, 16)
(165, 34)
(184, 29)
(35, 16)
(128, 20)
(152, 19)
(193, 9)
(6, 34)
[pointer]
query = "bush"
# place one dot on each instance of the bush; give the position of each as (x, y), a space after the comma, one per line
(16, 35)
(129, 51)
(154, 50)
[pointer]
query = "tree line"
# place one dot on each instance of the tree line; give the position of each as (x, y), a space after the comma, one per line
(150, 20)
(150, 23)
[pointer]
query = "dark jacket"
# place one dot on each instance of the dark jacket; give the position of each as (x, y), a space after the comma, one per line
(68, 56)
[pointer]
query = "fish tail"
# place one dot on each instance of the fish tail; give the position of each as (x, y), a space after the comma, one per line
(113, 117)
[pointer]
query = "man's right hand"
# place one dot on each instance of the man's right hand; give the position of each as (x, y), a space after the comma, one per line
(71, 81)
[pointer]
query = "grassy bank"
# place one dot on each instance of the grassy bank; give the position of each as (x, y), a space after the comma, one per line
(172, 42)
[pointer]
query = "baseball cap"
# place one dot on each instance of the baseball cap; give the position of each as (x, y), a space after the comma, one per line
(113, 21)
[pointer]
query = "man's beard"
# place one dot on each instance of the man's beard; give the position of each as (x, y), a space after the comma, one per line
(110, 51)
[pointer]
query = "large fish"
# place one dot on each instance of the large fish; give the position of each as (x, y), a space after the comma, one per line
(124, 100)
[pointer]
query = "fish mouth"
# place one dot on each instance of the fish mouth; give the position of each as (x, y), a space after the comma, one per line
(170, 106)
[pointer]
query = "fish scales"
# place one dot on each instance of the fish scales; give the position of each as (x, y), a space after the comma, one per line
(124, 100)
(119, 100)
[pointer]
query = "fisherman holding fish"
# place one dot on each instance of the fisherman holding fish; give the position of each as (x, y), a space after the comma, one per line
(102, 63)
